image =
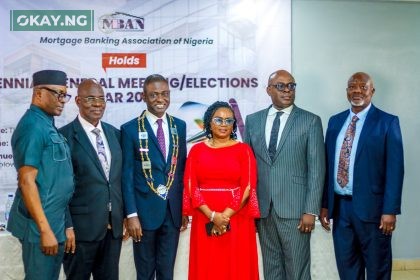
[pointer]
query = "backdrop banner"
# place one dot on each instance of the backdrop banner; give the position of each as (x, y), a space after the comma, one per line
(207, 49)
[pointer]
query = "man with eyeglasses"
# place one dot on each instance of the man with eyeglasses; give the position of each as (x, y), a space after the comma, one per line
(289, 147)
(95, 219)
(45, 178)
(365, 171)
(154, 153)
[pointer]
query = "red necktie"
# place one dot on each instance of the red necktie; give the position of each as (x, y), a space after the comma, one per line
(161, 137)
(345, 152)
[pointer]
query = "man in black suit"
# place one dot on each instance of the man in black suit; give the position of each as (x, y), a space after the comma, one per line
(95, 217)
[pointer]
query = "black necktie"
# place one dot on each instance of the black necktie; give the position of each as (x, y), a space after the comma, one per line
(272, 147)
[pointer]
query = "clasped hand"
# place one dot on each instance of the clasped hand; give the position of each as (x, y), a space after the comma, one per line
(220, 223)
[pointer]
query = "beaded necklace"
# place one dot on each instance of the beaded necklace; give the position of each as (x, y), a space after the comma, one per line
(161, 190)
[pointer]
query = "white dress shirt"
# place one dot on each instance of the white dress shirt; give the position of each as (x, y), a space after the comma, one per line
(152, 119)
(88, 127)
(270, 119)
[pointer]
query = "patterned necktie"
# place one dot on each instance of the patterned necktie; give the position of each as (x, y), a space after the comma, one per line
(345, 152)
(101, 152)
(272, 147)
(161, 137)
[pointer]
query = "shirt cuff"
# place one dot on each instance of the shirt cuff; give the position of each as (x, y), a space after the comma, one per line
(132, 215)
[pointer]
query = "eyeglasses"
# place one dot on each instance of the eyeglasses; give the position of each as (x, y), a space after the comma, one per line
(58, 94)
(154, 95)
(282, 86)
(362, 87)
(220, 121)
(92, 99)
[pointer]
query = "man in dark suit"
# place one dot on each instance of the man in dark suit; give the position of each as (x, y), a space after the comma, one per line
(288, 144)
(362, 194)
(95, 215)
(154, 149)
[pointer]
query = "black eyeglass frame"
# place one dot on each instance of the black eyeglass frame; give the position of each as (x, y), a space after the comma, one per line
(282, 86)
(58, 94)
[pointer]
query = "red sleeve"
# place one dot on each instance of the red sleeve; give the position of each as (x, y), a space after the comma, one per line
(192, 197)
(248, 179)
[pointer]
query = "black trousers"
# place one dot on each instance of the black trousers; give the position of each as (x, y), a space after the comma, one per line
(98, 258)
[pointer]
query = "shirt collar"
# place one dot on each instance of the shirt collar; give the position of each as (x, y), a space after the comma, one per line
(87, 126)
(41, 112)
(273, 111)
(152, 118)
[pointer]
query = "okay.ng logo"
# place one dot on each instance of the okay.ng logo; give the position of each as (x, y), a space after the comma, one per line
(51, 20)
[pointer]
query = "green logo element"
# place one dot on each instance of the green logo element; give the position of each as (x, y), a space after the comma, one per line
(51, 20)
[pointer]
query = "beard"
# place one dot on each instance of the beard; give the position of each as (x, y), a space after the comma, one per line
(357, 103)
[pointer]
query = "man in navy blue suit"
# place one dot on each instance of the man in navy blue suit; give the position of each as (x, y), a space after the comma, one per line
(362, 194)
(154, 153)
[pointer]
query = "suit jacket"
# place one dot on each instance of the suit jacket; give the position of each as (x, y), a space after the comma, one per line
(138, 196)
(89, 214)
(293, 181)
(378, 167)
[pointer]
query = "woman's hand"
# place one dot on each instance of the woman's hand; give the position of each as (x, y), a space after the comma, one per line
(220, 222)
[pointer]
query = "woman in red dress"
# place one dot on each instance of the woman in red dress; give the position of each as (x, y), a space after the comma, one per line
(220, 181)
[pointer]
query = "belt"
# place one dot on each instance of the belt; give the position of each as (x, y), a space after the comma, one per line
(232, 190)
(218, 189)
(344, 197)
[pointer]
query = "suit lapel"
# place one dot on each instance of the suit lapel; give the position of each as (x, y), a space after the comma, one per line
(337, 126)
(262, 119)
(83, 139)
(371, 120)
(170, 146)
(287, 128)
(113, 145)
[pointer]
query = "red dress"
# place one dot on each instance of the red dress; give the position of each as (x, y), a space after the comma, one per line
(218, 178)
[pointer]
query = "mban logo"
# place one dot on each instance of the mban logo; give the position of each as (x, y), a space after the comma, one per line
(120, 22)
(51, 20)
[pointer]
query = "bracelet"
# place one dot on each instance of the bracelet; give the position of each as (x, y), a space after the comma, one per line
(212, 216)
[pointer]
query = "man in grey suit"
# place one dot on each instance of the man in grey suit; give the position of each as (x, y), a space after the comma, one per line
(95, 215)
(289, 147)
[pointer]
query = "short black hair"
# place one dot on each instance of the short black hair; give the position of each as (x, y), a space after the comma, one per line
(153, 78)
(208, 115)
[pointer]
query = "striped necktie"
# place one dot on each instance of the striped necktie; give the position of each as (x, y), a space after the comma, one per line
(101, 151)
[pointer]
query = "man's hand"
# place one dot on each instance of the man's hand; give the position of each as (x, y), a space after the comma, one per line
(49, 244)
(323, 217)
(306, 223)
(70, 245)
(134, 228)
(185, 221)
(388, 223)
(126, 235)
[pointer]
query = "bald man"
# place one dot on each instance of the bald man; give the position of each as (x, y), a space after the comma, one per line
(362, 194)
(288, 144)
(95, 218)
